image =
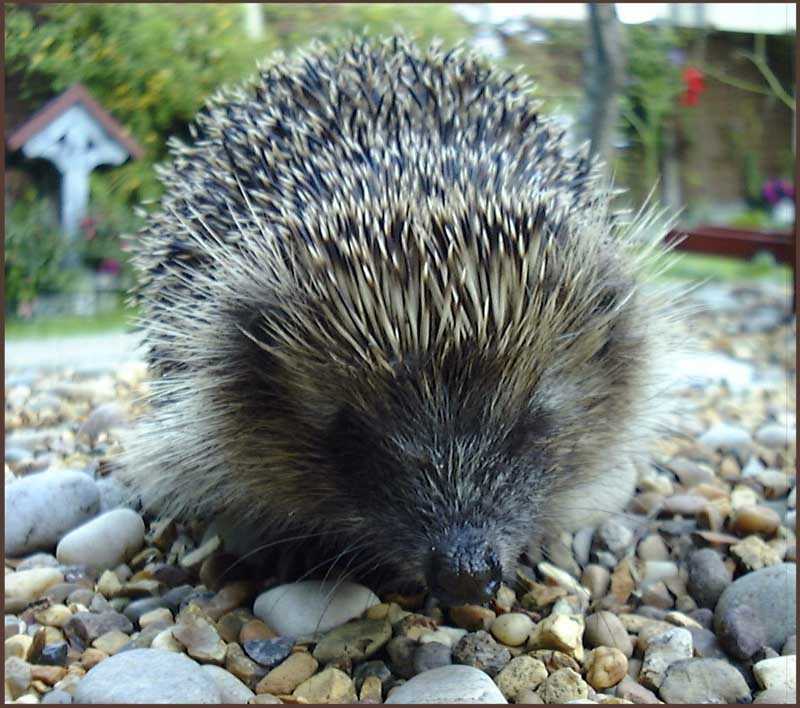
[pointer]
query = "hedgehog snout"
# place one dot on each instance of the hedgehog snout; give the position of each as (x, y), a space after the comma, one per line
(463, 568)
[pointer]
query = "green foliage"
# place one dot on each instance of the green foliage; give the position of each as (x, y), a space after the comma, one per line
(34, 251)
(651, 97)
(151, 66)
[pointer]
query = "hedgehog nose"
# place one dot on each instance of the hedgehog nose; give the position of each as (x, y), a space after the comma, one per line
(463, 569)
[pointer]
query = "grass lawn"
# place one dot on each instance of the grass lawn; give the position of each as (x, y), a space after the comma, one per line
(118, 319)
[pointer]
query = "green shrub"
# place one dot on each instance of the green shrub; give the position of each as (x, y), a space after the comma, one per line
(34, 252)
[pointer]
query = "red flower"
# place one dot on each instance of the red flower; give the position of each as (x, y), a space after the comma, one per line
(694, 86)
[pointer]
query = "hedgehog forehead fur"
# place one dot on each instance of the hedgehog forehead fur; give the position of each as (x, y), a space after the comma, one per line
(382, 299)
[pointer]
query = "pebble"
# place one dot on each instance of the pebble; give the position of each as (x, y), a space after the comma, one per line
(759, 590)
(630, 690)
(254, 629)
(727, 438)
(54, 697)
(448, 684)
(512, 628)
(755, 519)
(754, 554)
(243, 668)
(25, 586)
(776, 696)
(103, 542)
(653, 548)
(614, 536)
(662, 651)
(562, 632)
(400, 651)
(101, 419)
(53, 616)
(740, 631)
(596, 578)
(562, 686)
(376, 669)
(705, 644)
(17, 677)
(776, 484)
(268, 652)
(356, 640)
(790, 645)
(605, 629)
(776, 436)
(147, 676)
(200, 638)
(111, 642)
(605, 667)
(778, 673)
(113, 494)
(522, 673)
(479, 650)
(85, 627)
(40, 508)
(708, 577)
(371, 690)
(301, 609)
(283, 679)
(704, 681)
(231, 689)
(160, 614)
(329, 686)
(472, 617)
(164, 640)
(431, 655)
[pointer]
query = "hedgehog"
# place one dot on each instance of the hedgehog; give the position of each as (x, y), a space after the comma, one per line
(394, 325)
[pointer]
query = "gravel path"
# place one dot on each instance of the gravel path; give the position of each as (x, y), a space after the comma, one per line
(687, 597)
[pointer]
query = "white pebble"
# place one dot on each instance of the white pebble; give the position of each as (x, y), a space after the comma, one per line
(42, 507)
(104, 542)
(779, 672)
(512, 628)
(26, 586)
(448, 684)
(301, 609)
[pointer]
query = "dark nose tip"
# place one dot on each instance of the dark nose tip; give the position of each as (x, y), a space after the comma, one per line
(463, 570)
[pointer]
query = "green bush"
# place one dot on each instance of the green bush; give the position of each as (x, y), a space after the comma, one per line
(34, 252)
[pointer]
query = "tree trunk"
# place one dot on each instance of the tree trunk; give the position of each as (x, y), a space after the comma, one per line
(605, 79)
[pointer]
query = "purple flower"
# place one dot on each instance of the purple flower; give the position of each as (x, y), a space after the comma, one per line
(110, 265)
(775, 189)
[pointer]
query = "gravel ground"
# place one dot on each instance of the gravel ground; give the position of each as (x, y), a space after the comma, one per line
(687, 597)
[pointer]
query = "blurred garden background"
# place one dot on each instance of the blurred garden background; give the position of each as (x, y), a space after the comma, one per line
(696, 98)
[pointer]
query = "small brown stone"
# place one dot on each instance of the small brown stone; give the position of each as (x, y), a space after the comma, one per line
(91, 657)
(288, 675)
(328, 686)
(755, 519)
(256, 629)
(111, 642)
(596, 578)
(47, 674)
(242, 667)
(472, 617)
(753, 553)
(371, 690)
(622, 581)
(201, 639)
(605, 667)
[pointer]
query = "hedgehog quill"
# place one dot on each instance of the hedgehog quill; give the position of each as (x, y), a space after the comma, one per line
(393, 323)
